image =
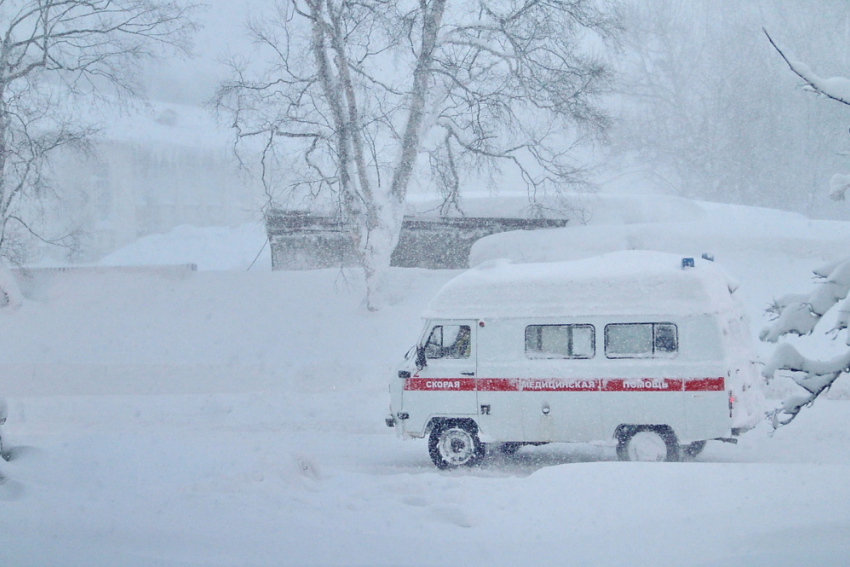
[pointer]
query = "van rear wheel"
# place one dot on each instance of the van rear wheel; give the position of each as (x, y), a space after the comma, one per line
(647, 444)
(455, 443)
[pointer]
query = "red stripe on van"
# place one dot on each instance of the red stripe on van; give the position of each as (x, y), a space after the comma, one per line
(565, 385)
(705, 385)
(440, 384)
(643, 385)
(498, 385)
(560, 385)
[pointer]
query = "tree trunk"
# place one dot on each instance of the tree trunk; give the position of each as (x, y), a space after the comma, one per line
(383, 239)
(383, 235)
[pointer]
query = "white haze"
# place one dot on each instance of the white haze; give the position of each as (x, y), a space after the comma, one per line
(165, 417)
(161, 416)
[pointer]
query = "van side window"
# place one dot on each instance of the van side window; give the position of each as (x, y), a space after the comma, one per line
(560, 341)
(449, 341)
(641, 340)
(665, 338)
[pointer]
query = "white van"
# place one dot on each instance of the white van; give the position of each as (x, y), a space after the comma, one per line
(643, 347)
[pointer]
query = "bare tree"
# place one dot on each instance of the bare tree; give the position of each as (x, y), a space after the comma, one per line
(355, 91)
(60, 59)
(709, 115)
(800, 314)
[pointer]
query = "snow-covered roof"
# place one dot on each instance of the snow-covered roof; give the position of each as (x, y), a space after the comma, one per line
(621, 283)
(156, 123)
(485, 205)
(606, 209)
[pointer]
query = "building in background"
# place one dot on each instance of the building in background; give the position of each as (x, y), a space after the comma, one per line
(301, 240)
(172, 165)
(167, 166)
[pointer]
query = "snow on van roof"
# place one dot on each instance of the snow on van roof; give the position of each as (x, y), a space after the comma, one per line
(620, 283)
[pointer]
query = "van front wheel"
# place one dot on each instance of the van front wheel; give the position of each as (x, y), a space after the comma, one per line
(455, 443)
(652, 444)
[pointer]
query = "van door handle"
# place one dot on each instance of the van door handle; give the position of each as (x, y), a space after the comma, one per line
(467, 373)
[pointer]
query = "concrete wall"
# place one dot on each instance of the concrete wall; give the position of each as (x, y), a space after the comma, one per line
(302, 241)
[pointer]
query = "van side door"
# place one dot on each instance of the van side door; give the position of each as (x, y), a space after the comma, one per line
(445, 386)
(560, 395)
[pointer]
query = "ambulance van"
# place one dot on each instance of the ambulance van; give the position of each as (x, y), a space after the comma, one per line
(645, 349)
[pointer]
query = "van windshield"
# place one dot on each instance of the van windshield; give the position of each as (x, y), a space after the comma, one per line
(449, 341)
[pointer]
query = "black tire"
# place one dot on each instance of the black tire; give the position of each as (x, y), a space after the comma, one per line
(691, 450)
(455, 443)
(647, 443)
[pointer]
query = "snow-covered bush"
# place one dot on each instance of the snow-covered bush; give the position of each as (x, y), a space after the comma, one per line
(799, 315)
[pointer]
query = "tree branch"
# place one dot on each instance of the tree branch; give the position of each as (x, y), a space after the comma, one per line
(813, 81)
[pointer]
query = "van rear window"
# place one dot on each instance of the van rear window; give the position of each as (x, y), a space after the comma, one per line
(560, 341)
(641, 340)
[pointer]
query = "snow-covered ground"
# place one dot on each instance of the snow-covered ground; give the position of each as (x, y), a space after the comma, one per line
(172, 417)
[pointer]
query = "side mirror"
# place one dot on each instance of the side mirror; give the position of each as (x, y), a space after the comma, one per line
(420, 358)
